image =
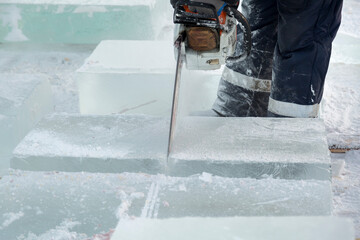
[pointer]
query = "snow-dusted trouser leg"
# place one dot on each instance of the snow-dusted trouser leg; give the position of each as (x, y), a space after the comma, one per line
(244, 88)
(305, 33)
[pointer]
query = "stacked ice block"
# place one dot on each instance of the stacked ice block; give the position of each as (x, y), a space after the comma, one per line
(79, 21)
(218, 167)
(24, 100)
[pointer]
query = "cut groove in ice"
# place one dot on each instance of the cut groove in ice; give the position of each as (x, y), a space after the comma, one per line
(255, 228)
(24, 100)
(117, 143)
(251, 147)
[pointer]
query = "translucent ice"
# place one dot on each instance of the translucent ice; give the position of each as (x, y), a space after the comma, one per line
(117, 143)
(297, 228)
(251, 147)
(128, 77)
(210, 196)
(79, 21)
(43, 205)
(38, 205)
(24, 100)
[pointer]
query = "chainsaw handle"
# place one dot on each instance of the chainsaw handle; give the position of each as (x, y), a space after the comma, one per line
(245, 27)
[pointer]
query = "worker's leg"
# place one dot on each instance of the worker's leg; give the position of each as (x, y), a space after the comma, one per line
(244, 88)
(305, 32)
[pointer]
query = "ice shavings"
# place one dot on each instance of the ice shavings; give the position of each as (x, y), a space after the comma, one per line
(10, 218)
(61, 232)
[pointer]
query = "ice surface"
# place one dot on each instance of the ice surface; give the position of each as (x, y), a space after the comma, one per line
(346, 188)
(340, 106)
(346, 49)
(56, 62)
(350, 18)
(114, 143)
(36, 205)
(45, 205)
(251, 147)
(128, 77)
(24, 100)
(210, 196)
(66, 21)
(297, 228)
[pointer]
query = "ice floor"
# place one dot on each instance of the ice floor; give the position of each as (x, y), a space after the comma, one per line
(63, 206)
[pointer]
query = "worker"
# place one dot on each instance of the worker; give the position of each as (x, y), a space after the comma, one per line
(285, 72)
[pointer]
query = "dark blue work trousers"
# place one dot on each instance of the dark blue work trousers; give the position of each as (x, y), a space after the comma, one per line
(285, 72)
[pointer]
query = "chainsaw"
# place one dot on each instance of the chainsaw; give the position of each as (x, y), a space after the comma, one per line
(205, 39)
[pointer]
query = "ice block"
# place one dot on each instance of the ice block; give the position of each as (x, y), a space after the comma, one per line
(256, 228)
(210, 196)
(128, 77)
(75, 22)
(38, 205)
(117, 143)
(251, 147)
(24, 100)
(45, 205)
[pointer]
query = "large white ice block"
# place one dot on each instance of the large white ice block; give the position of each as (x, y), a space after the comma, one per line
(256, 228)
(251, 147)
(24, 100)
(75, 21)
(117, 143)
(128, 77)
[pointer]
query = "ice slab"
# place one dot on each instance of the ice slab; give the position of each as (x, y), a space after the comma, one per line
(128, 77)
(75, 22)
(24, 100)
(37, 205)
(251, 147)
(118, 143)
(211, 196)
(44, 205)
(297, 228)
